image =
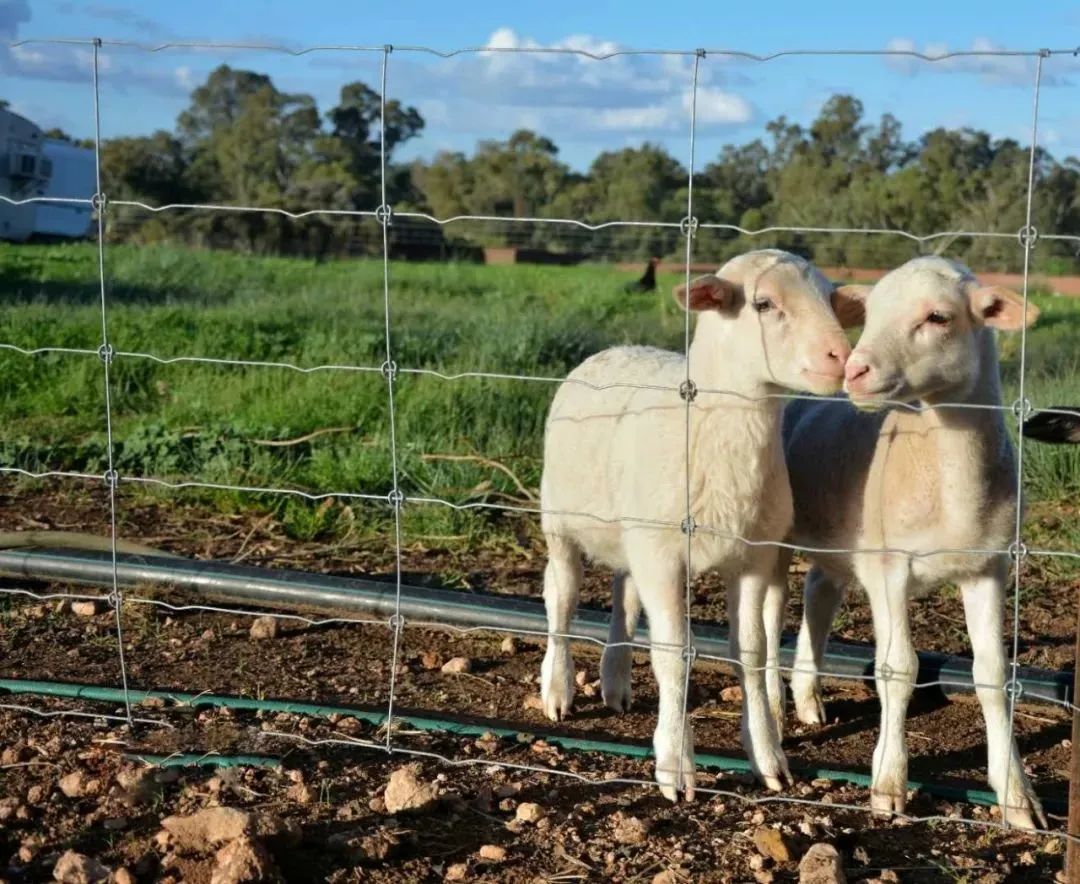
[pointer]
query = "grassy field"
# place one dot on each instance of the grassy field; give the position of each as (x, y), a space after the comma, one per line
(217, 423)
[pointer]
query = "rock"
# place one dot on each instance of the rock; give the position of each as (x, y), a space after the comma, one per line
(528, 812)
(72, 785)
(137, 785)
(493, 853)
(510, 645)
(244, 860)
(456, 872)
(264, 628)
(631, 830)
(455, 665)
(36, 795)
(122, 876)
(732, 694)
(822, 864)
(405, 791)
(376, 847)
(84, 608)
(209, 827)
(665, 877)
(533, 701)
(772, 844)
(301, 793)
(74, 868)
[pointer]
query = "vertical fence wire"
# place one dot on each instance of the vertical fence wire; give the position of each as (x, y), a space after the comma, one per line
(688, 397)
(390, 372)
(105, 352)
(1027, 241)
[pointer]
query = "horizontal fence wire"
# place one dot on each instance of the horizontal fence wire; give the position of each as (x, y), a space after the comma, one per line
(521, 509)
(921, 238)
(396, 499)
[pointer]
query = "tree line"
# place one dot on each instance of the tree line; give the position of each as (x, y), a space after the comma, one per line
(242, 141)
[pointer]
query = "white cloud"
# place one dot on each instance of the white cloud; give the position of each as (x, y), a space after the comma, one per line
(559, 91)
(1014, 70)
(714, 106)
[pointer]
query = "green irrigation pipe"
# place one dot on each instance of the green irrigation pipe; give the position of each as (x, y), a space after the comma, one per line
(442, 725)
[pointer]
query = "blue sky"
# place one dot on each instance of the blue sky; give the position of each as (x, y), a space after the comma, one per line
(584, 106)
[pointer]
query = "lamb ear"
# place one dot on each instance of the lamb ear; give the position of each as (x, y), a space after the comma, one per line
(1001, 308)
(849, 304)
(708, 292)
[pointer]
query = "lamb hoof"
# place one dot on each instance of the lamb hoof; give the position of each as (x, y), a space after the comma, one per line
(887, 804)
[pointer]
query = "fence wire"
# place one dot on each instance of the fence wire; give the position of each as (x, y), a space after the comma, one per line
(396, 499)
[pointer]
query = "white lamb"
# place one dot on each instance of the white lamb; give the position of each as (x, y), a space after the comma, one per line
(919, 481)
(615, 465)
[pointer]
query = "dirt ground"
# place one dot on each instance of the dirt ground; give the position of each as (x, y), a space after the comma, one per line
(323, 815)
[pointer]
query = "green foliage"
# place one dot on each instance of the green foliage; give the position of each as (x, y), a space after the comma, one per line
(213, 423)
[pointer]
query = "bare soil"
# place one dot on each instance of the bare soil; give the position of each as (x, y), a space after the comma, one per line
(332, 791)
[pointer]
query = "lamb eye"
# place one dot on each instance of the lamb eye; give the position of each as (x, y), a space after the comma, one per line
(761, 305)
(936, 318)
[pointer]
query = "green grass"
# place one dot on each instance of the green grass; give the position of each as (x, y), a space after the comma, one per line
(186, 421)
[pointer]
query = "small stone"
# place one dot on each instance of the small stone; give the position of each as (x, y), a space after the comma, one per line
(36, 795)
(405, 791)
(528, 812)
(72, 785)
(510, 645)
(162, 840)
(889, 876)
(772, 844)
(631, 830)
(84, 608)
(456, 872)
(822, 864)
(732, 694)
(264, 628)
(301, 793)
(1027, 858)
(764, 876)
(430, 660)
(456, 665)
(665, 877)
(492, 853)
(122, 876)
(507, 790)
(377, 805)
(209, 827)
(75, 868)
(26, 854)
(1053, 846)
(244, 860)
(581, 678)
(533, 701)
(152, 702)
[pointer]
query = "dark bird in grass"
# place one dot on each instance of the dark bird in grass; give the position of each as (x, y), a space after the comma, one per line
(1051, 426)
(647, 283)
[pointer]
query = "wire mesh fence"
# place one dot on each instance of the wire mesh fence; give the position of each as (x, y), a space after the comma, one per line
(410, 226)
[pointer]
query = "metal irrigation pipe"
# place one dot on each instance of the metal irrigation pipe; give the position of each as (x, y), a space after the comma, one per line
(302, 590)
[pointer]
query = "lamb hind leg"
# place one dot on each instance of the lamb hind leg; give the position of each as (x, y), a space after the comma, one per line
(984, 611)
(616, 664)
(562, 583)
(821, 601)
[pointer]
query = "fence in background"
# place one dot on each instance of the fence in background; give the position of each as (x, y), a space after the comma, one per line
(385, 216)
